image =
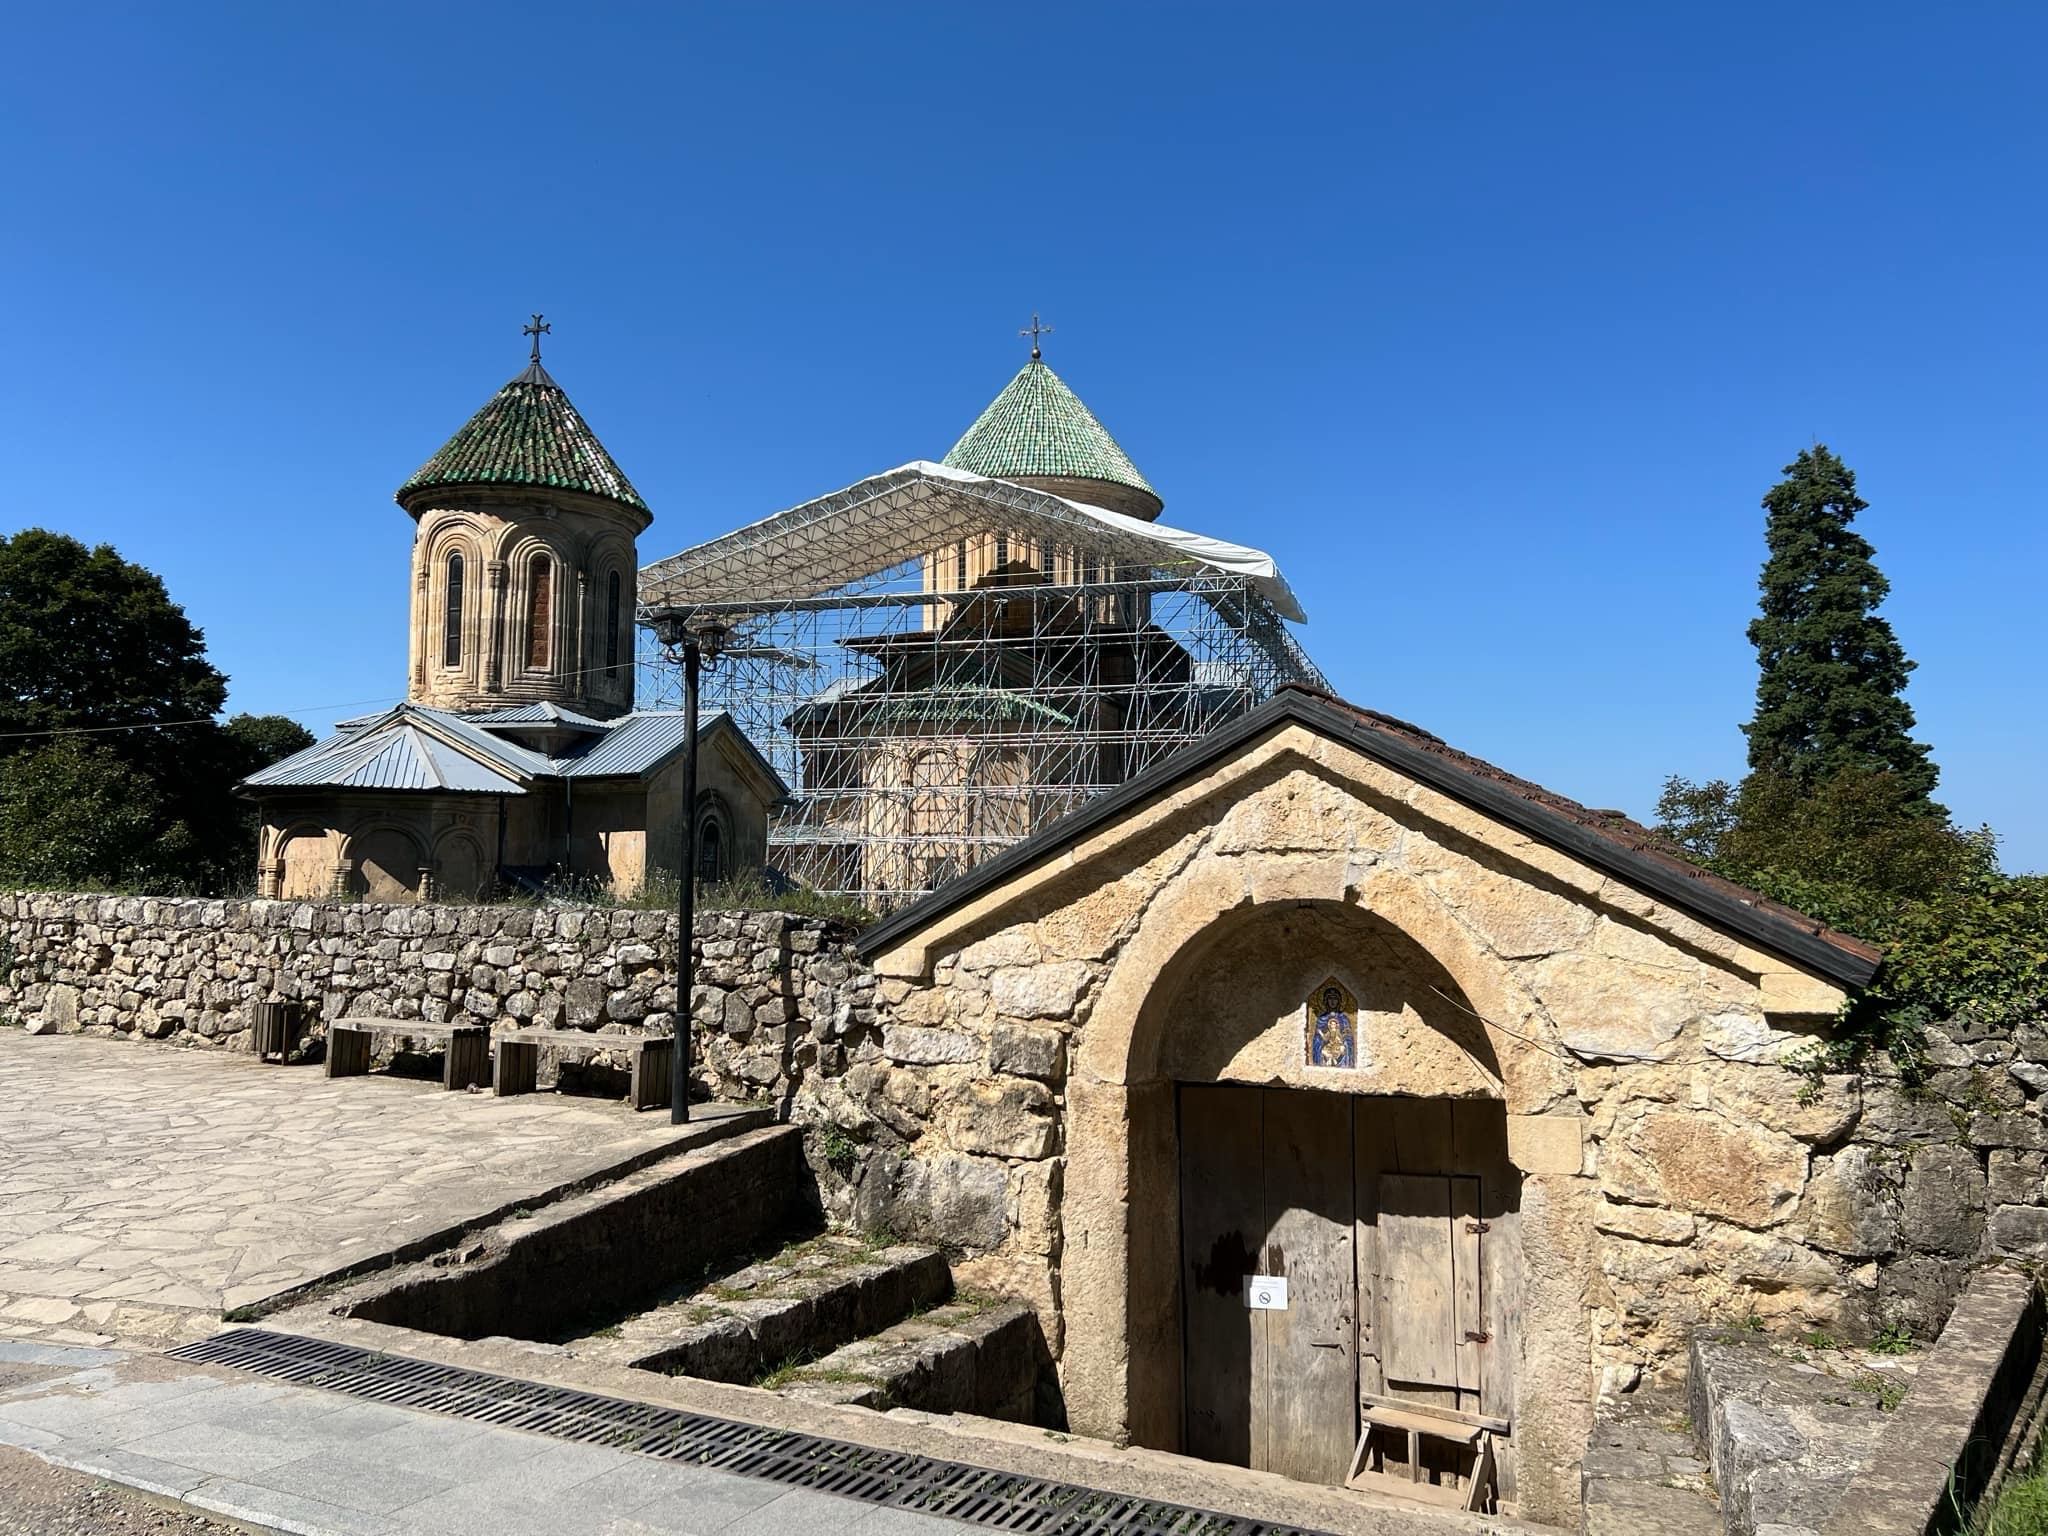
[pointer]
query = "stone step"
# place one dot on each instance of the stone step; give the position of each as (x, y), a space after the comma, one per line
(1786, 1426)
(804, 1302)
(969, 1356)
(1643, 1471)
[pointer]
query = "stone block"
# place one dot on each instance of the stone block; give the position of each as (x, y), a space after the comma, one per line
(1614, 1010)
(1023, 1051)
(1645, 1223)
(2020, 1232)
(1040, 991)
(1919, 1291)
(1849, 1206)
(2020, 1129)
(928, 1047)
(999, 951)
(1546, 1143)
(1006, 1117)
(59, 1015)
(950, 1201)
(1941, 1206)
(2018, 1178)
(1693, 1160)
(1784, 1100)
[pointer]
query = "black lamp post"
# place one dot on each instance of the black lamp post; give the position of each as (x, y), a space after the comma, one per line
(702, 637)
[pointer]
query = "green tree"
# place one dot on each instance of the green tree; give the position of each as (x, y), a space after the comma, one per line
(105, 687)
(74, 815)
(89, 639)
(1831, 672)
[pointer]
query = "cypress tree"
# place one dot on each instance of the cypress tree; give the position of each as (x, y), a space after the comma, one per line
(1828, 699)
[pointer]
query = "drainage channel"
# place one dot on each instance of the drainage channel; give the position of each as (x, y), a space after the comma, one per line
(1002, 1501)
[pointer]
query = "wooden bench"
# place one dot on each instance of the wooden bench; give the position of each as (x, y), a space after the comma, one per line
(1440, 1455)
(466, 1064)
(516, 1064)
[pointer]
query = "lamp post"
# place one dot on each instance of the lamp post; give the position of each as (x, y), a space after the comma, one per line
(702, 636)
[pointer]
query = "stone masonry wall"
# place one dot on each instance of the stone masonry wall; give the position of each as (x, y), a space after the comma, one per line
(949, 1132)
(776, 994)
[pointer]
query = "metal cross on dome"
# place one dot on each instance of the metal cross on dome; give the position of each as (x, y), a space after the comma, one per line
(539, 327)
(1034, 332)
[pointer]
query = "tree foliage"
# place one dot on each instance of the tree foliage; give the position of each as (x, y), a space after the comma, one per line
(1865, 854)
(1831, 674)
(114, 770)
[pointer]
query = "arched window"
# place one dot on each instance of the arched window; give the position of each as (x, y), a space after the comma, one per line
(540, 596)
(611, 620)
(710, 851)
(451, 632)
(960, 565)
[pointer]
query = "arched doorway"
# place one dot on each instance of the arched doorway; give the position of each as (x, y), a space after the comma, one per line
(1380, 1192)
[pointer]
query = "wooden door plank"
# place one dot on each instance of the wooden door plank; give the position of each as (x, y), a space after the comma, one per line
(1422, 1136)
(1468, 1311)
(1305, 1398)
(1372, 1141)
(1416, 1309)
(1222, 1230)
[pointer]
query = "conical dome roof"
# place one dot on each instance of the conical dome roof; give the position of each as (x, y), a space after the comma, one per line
(528, 434)
(1037, 429)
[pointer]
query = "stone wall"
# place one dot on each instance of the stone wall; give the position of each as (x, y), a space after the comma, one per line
(777, 995)
(947, 1106)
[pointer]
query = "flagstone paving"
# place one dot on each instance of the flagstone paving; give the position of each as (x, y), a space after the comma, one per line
(146, 1189)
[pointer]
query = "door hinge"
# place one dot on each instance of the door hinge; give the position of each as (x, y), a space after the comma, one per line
(1477, 1338)
(1478, 1226)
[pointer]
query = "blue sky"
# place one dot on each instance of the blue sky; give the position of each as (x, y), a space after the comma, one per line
(1491, 322)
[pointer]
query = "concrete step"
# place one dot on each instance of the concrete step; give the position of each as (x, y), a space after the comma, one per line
(969, 1356)
(804, 1302)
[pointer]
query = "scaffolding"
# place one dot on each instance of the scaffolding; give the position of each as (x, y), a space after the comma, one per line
(939, 665)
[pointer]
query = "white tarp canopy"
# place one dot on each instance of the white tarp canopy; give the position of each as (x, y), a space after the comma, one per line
(837, 541)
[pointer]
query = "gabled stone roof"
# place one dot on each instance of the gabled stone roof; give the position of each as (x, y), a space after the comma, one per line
(528, 434)
(1038, 426)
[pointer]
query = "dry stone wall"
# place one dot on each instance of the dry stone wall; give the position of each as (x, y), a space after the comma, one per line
(776, 996)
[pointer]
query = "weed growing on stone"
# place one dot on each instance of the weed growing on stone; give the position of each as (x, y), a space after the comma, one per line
(1889, 1393)
(837, 1149)
(1751, 1324)
(1822, 1340)
(1894, 1339)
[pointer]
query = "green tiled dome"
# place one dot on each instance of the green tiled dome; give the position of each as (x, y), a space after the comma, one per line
(528, 434)
(1039, 427)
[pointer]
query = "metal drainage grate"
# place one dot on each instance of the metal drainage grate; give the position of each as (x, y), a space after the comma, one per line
(1003, 1501)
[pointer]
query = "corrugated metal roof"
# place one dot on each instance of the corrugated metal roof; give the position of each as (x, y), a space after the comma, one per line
(409, 747)
(397, 756)
(540, 714)
(634, 745)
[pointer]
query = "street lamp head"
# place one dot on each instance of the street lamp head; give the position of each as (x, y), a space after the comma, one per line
(709, 631)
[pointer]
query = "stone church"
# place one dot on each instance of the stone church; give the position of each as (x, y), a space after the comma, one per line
(517, 756)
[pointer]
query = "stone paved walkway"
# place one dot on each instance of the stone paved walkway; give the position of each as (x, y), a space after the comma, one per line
(317, 1463)
(144, 1190)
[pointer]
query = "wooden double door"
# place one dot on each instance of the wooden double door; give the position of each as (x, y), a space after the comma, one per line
(1373, 1211)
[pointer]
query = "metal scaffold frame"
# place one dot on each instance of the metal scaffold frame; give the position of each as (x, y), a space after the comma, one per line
(940, 665)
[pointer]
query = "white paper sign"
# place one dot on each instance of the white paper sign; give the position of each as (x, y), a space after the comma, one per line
(1266, 1293)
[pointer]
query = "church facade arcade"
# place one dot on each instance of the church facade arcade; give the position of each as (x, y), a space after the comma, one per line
(1333, 1070)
